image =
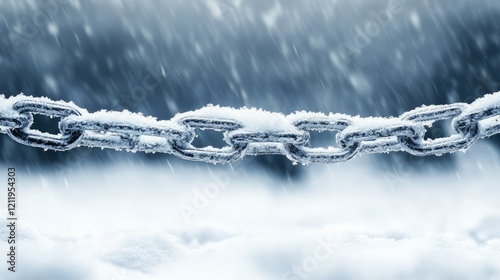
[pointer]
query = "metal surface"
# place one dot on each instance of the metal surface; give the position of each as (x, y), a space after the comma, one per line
(251, 131)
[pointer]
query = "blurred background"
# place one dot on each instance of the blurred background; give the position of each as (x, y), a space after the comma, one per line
(372, 58)
(103, 214)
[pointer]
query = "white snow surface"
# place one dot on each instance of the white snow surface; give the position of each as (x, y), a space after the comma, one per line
(124, 222)
(252, 119)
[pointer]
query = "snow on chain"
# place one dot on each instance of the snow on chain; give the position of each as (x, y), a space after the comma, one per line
(250, 131)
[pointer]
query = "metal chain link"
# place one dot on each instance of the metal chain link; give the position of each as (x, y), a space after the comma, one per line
(251, 131)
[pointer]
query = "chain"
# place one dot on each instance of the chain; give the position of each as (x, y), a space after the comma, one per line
(251, 131)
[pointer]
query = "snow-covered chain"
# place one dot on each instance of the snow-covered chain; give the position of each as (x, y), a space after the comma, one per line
(250, 131)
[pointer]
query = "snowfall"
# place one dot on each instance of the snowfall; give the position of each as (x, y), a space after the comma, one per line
(126, 218)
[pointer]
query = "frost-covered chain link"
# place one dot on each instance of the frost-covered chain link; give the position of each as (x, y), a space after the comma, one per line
(251, 131)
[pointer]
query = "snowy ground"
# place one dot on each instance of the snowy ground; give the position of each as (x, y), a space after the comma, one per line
(358, 220)
(347, 221)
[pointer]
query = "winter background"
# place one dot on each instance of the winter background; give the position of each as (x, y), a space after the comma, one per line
(102, 214)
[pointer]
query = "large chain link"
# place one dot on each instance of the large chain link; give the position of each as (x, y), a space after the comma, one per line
(251, 131)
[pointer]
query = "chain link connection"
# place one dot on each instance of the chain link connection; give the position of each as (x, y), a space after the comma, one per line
(251, 131)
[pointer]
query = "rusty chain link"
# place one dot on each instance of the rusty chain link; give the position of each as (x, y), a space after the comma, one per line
(251, 131)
